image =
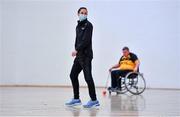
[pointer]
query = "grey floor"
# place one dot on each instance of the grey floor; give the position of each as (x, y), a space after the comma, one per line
(23, 101)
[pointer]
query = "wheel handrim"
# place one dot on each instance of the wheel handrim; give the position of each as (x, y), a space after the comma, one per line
(135, 85)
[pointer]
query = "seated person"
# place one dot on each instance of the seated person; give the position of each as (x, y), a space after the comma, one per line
(128, 63)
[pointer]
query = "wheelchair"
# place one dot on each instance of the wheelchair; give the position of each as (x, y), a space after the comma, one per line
(133, 82)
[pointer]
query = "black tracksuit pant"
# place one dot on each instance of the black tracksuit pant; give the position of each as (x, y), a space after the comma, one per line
(115, 76)
(85, 65)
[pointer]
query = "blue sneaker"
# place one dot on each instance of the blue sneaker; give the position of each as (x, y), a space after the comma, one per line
(73, 102)
(92, 104)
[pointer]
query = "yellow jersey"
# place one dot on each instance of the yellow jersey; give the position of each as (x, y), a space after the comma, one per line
(128, 63)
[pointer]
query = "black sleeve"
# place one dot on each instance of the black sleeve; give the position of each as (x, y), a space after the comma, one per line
(76, 38)
(134, 57)
(86, 39)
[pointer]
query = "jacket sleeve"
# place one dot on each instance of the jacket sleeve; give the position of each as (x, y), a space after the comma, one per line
(86, 39)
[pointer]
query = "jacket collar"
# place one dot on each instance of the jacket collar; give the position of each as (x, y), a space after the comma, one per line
(82, 22)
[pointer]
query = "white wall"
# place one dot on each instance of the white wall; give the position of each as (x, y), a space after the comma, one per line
(178, 36)
(38, 37)
(0, 41)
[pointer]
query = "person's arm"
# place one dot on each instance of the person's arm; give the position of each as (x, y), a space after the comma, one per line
(114, 67)
(137, 63)
(86, 39)
(74, 53)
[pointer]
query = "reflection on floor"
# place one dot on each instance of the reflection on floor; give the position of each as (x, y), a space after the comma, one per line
(50, 101)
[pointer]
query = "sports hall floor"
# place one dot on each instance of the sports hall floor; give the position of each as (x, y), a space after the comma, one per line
(49, 101)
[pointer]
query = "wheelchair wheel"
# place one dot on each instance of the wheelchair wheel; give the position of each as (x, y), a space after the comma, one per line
(135, 83)
(123, 86)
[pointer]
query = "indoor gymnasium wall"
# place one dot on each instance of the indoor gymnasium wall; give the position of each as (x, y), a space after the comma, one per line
(38, 38)
(178, 38)
(0, 41)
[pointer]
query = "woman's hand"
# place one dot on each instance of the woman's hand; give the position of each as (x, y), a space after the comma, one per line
(74, 53)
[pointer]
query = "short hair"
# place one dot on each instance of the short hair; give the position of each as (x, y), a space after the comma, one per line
(125, 48)
(81, 9)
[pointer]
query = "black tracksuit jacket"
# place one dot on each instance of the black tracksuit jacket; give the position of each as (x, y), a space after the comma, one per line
(83, 43)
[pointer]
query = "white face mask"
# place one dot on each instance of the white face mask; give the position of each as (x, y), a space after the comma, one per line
(82, 17)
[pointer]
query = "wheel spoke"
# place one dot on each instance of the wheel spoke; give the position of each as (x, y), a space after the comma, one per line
(135, 83)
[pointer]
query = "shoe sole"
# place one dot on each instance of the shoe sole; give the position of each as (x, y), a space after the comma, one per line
(94, 106)
(73, 105)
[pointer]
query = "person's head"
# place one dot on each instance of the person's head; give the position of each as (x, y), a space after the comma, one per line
(82, 13)
(125, 51)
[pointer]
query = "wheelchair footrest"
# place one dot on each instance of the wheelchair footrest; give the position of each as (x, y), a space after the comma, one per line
(114, 89)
